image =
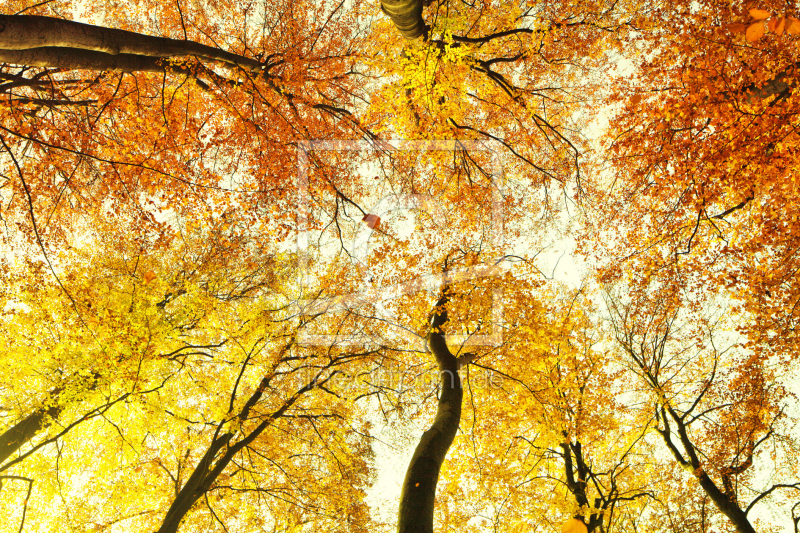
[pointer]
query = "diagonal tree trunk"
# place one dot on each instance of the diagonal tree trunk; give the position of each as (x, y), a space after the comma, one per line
(221, 452)
(27, 33)
(14, 437)
(75, 58)
(419, 487)
(726, 503)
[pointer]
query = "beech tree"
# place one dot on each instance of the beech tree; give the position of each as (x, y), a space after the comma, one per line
(150, 332)
(700, 154)
(716, 409)
(104, 120)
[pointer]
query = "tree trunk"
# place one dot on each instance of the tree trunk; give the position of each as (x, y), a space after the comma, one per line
(406, 16)
(14, 437)
(723, 501)
(75, 58)
(419, 487)
(41, 37)
(220, 453)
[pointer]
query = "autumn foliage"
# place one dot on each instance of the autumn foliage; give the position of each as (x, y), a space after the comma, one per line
(256, 256)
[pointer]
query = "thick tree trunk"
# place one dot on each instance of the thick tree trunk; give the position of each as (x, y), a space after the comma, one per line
(75, 58)
(26, 34)
(419, 487)
(406, 16)
(14, 437)
(201, 479)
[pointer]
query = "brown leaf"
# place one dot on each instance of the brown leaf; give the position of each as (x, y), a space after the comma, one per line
(372, 221)
(636, 98)
(736, 27)
(755, 31)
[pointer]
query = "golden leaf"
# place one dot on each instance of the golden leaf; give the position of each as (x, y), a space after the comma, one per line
(573, 525)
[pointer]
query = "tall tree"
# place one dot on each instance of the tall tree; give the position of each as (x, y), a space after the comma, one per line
(181, 373)
(720, 411)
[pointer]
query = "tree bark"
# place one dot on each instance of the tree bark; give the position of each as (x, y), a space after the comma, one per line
(75, 58)
(14, 437)
(406, 16)
(220, 453)
(419, 487)
(724, 502)
(27, 33)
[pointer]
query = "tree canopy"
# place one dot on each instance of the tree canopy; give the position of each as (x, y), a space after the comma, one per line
(252, 249)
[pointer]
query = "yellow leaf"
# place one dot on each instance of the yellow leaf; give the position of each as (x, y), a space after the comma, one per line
(759, 14)
(573, 525)
(755, 31)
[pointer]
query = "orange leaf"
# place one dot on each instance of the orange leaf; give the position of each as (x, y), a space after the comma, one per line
(777, 25)
(755, 31)
(149, 276)
(759, 14)
(772, 24)
(793, 27)
(372, 221)
(636, 98)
